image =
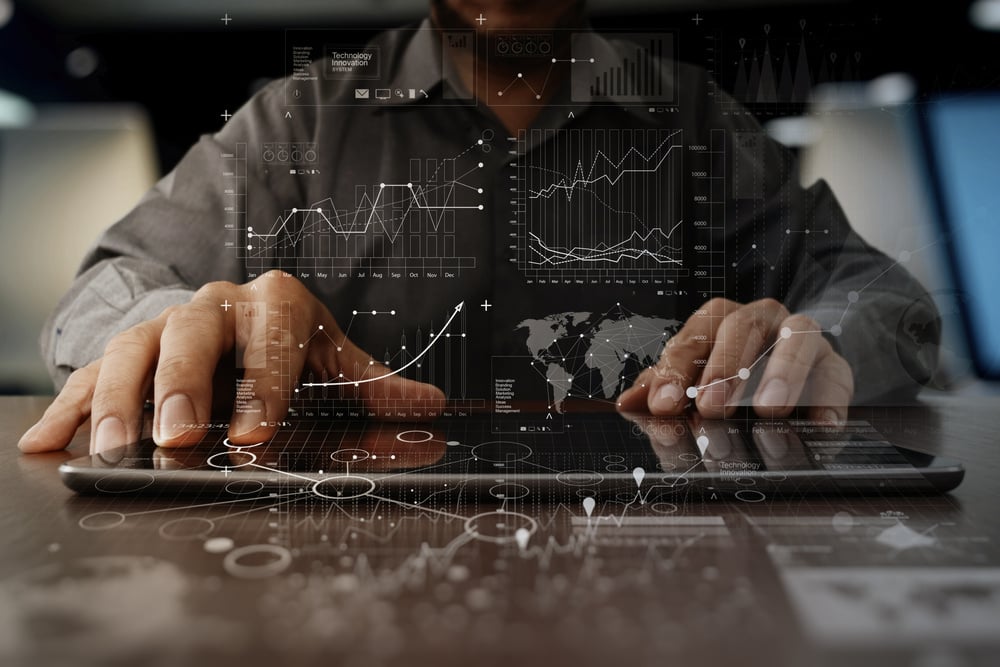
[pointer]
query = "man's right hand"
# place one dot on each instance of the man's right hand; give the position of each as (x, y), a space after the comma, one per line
(172, 360)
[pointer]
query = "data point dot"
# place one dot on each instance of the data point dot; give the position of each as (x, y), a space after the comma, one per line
(744, 374)
(786, 332)
(692, 392)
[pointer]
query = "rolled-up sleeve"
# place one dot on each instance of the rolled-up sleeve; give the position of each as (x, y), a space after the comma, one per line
(177, 238)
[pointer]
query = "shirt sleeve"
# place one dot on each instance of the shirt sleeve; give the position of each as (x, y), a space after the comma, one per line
(174, 240)
(793, 242)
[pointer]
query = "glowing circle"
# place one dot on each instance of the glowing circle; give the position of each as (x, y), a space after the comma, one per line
(187, 528)
(509, 491)
(750, 496)
(501, 451)
(229, 457)
(349, 455)
(225, 441)
(414, 437)
(343, 487)
(580, 477)
(102, 521)
(124, 483)
(266, 560)
(663, 508)
(240, 487)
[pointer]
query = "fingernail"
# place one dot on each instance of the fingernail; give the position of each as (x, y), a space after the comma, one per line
(248, 416)
(667, 397)
(110, 433)
(714, 396)
(176, 417)
(774, 394)
(831, 416)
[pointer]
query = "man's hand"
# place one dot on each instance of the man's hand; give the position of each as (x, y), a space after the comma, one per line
(710, 359)
(173, 359)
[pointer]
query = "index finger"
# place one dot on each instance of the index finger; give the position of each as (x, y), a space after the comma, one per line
(665, 388)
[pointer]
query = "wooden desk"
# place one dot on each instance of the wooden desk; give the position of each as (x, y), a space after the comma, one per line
(126, 580)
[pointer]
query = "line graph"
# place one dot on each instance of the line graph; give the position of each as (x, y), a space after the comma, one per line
(604, 201)
(405, 225)
(341, 381)
(538, 89)
(434, 353)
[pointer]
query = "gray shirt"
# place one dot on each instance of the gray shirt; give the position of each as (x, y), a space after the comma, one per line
(646, 198)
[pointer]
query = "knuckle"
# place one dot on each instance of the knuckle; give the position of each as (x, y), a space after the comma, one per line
(110, 394)
(718, 304)
(738, 320)
(800, 322)
(128, 342)
(80, 378)
(213, 289)
(175, 371)
(167, 312)
(683, 346)
(772, 305)
(196, 318)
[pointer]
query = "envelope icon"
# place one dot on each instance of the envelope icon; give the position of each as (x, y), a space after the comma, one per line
(361, 93)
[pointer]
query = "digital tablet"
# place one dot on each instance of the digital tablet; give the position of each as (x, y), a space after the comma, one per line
(604, 455)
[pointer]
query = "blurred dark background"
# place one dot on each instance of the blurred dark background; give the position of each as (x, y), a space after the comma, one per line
(181, 62)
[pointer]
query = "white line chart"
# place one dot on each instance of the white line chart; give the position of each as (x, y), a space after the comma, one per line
(360, 223)
(343, 381)
(601, 200)
(519, 78)
(411, 222)
(633, 248)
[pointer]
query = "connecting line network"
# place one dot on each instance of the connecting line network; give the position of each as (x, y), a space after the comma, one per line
(853, 296)
(411, 197)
